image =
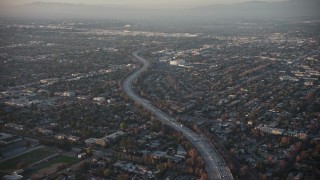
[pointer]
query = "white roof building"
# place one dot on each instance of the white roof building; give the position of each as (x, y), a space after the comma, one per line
(179, 62)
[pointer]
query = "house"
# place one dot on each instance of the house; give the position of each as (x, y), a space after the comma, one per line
(181, 151)
(14, 126)
(158, 154)
(4, 136)
(82, 155)
(99, 99)
(115, 136)
(90, 141)
(179, 62)
(102, 142)
(73, 138)
(276, 131)
(13, 176)
(302, 135)
(44, 131)
(68, 94)
(60, 136)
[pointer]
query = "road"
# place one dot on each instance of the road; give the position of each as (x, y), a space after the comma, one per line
(216, 167)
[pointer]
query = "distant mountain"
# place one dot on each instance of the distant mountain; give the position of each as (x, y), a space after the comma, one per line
(70, 5)
(292, 8)
(251, 9)
(68, 10)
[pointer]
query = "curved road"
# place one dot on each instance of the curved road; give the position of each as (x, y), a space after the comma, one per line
(216, 167)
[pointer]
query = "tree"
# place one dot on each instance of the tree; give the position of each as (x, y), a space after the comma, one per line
(304, 154)
(122, 177)
(284, 141)
(259, 166)
(282, 164)
(262, 176)
(298, 158)
(191, 171)
(244, 170)
(203, 176)
(161, 167)
(61, 166)
(22, 165)
(84, 165)
(122, 126)
(192, 153)
(89, 150)
(169, 164)
(107, 172)
(255, 133)
(33, 107)
(317, 149)
(310, 96)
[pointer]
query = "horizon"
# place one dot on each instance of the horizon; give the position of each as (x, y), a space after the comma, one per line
(167, 4)
(164, 11)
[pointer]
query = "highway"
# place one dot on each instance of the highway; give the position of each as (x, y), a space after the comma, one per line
(216, 167)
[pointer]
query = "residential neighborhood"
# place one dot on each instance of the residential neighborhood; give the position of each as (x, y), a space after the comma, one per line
(248, 91)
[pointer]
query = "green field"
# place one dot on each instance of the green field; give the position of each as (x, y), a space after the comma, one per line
(59, 159)
(29, 158)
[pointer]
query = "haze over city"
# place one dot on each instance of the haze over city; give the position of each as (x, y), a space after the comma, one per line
(177, 11)
(139, 3)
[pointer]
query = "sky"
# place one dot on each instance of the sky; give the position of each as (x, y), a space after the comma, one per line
(165, 10)
(136, 3)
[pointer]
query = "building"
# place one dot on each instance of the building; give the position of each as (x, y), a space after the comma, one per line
(12, 177)
(44, 131)
(99, 99)
(269, 130)
(277, 131)
(14, 126)
(101, 142)
(82, 155)
(181, 151)
(90, 141)
(104, 140)
(73, 138)
(115, 136)
(178, 62)
(8, 138)
(68, 94)
(60, 136)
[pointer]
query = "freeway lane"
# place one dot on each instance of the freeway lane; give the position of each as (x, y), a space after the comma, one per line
(216, 167)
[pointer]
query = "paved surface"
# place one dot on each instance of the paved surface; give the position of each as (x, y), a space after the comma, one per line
(215, 165)
(17, 147)
(24, 152)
